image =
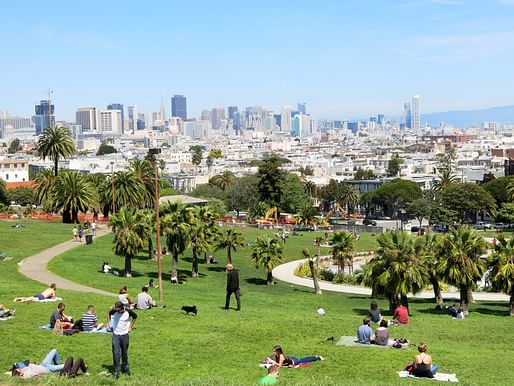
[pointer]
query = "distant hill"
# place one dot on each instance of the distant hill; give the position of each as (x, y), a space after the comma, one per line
(470, 118)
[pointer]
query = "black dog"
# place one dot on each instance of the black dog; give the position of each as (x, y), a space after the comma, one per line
(190, 309)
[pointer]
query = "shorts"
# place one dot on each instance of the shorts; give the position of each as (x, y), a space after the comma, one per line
(39, 297)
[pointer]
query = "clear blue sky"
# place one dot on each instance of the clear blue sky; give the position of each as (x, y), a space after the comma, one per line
(346, 59)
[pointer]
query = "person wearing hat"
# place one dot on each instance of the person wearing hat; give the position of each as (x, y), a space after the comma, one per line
(232, 287)
(122, 321)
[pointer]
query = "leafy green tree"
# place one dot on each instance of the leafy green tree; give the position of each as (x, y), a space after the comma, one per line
(130, 234)
(97, 180)
(396, 194)
(72, 193)
(56, 143)
(343, 247)
(258, 210)
(506, 213)
(463, 265)
(394, 166)
(293, 194)
(213, 154)
(4, 195)
(431, 253)
(397, 268)
(348, 197)
(243, 194)
(129, 191)
(230, 240)
(271, 181)
(217, 206)
(439, 215)
(14, 146)
(419, 209)
(310, 188)
(22, 195)
(306, 171)
(498, 188)
(268, 253)
(175, 226)
(197, 154)
(330, 192)
(43, 184)
(105, 148)
(468, 200)
(306, 254)
(224, 180)
(208, 191)
(362, 174)
(143, 170)
(446, 179)
(501, 262)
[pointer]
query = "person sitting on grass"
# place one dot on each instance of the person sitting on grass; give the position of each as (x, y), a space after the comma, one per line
(401, 314)
(124, 297)
(143, 300)
(106, 268)
(89, 320)
(374, 312)
(271, 377)
(382, 334)
(48, 293)
(453, 311)
(422, 366)
(6, 312)
(283, 361)
(59, 315)
(364, 332)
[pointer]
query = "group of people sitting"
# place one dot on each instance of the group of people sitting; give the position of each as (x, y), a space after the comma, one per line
(143, 300)
(87, 323)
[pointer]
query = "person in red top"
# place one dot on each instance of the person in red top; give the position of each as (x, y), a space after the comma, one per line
(401, 314)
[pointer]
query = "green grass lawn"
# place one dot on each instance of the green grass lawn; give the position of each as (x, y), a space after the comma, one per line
(220, 347)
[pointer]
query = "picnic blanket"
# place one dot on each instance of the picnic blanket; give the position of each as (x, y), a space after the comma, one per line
(44, 327)
(351, 341)
(100, 331)
(437, 377)
(7, 318)
(49, 300)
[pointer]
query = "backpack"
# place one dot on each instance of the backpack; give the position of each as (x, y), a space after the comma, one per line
(58, 330)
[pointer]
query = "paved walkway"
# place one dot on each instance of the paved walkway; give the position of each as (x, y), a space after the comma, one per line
(285, 272)
(35, 267)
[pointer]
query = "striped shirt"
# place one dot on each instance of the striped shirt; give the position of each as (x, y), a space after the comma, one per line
(89, 322)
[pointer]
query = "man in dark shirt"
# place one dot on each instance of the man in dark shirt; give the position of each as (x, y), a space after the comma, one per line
(59, 314)
(232, 287)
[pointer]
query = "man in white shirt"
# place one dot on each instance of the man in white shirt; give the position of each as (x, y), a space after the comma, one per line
(143, 300)
(93, 227)
(122, 321)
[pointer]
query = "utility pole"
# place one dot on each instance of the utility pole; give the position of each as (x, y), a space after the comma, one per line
(112, 188)
(155, 152)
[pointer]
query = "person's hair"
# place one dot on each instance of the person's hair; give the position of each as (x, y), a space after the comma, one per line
(383, 323)
(53, 286)
(90, 307)
(61, 305)
(373, 305)
(403, 303)
(144, 289)
(123, 290)
(118, 306)
(272, 369)
(230, 267)
(278, 350)
(14, 371)
(422, 347)
(366, 321)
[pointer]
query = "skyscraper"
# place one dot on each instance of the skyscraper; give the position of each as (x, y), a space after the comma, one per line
(217, 114)
(109, 121)
(302, 108)
(416, 116)
(179, 106)
(86, 117)
(44, 117)
(286, 119)
(132, 118)
(118, 106)
(231, 111)
(407, 113)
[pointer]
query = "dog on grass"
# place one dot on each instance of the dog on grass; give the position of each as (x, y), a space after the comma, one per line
(190, 310)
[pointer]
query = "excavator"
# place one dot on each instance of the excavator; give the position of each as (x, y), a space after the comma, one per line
(336, 208)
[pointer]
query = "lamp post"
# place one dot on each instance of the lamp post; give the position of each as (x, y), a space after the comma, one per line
(155, 152)
(112, 187)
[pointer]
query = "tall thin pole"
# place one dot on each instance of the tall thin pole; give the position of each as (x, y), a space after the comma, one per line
(112, 188)
(158, 230)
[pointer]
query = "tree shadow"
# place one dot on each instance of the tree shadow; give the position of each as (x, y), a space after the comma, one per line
(499, 303)
(433, 311)
(361, 311)
(256, 281)
(305, 290)
(488, 311)
(216, 269)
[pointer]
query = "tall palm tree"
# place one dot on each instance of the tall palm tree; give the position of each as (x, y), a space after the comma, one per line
(72, 193)
(143, 170)
(202, 234)
(148, 215)
(55, 143)
(230, 240)
(129, 191)
(44, 183)
(268, 253)
(463, 265)
(130, 234)
(224, 180)
(501, 263)
(97, 180)
(208, 216)
(348, 197)
(175, 226)
(342, 248)
(446, 178)
(307, 215)
(308, 255)
(397, 268)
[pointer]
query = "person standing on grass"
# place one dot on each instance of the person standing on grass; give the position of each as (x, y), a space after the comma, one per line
(232, 287)
(81, 232)
(93, 227)
(122, 321)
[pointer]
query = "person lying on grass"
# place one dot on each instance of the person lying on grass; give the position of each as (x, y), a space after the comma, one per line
(50, 364)
(282, 360)
(422, 366)
(5, 312)
(48, 293)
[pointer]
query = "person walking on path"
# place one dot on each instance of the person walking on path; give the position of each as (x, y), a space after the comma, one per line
(75, 233)
(81, 232)
(232, 287)
(122, 321)
(93, 228)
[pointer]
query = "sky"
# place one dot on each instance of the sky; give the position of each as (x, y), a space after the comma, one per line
(345, 59)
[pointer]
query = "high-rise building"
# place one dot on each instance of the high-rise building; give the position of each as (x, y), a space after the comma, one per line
(119, 107)
(296, 130)
(217, 114)
(407, 114)
(286, 119)
(10, 124)
(132, 118)
(416, 116)
(109, 121)
(44, 117)
(179, 106)
(302, 108)
(231, 111)
(86, 117)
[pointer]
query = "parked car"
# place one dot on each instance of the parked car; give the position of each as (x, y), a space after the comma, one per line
(440, 228)
(369, 222)
(501, 225)
(482, 225)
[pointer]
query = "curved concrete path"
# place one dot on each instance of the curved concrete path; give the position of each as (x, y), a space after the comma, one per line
(35, 267)
(285, 272)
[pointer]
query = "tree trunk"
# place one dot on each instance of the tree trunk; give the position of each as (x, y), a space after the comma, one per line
(317, 290)
(229, 255)
(464, 299)
(66, 216)
(206, 258)
(56, 166)
(393, 302)
(269, 279)
(174, 263)
(511, 302)
(128, 266)
(150, 248)
(338, 264)
(194, 268)
(75, 216)
(470, 296)
(438, 297)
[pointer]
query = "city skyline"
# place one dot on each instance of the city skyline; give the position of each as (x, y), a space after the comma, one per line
(348, 60)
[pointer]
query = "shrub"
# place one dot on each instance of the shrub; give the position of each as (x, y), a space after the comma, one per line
(303, 270)
(343, 278)
(326, 274)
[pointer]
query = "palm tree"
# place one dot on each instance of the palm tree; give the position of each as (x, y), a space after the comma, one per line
(130, 234)
(208, 216)
(175, 226)
(397, 269)
(307, 215)
(143, 170)
(310, 188)
(203, 231)
(501, 263)
(342, 248)
(56, 143)
(348, 197)
(431, 253)
(72, 193)
(44, 183)
(463, 265)
(446, 178)
(268, 253)
(97, 180)
(129, 191)
(224, 180)
(308, 255)
(148, 215)
(230, 240)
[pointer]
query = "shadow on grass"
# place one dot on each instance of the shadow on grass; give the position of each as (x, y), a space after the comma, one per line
(433, 311)
(216, 269)
(488, 311)
(256, 281)
(500, 303)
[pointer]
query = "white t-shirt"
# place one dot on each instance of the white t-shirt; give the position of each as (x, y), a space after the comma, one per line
(121, 322)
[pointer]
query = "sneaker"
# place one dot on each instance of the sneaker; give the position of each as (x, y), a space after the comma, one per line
(321, 358)
(128, 372)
